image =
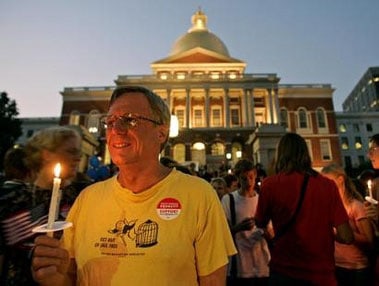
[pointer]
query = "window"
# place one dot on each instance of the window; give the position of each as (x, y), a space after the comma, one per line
(180, 75)
(235, 116)
(344, 143)
(320, 115)
(326, 153)
(74, 118)
(369, 127)
(179, 112)
(348, 163)
(179, 153)
(214, 75)
(284, 117)
(358, 143)
(342, 128)
(198, 117)
(302, 118)
(217, 149)
(216, 120)
(93, 121)
(356, 127)
(29, 133)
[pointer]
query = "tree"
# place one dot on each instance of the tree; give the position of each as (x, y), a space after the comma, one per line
(10, 125)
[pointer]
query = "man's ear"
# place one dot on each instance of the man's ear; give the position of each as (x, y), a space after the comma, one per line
(163, 133)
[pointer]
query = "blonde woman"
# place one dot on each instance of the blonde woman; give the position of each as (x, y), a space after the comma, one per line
(26, 206)
(352, 261)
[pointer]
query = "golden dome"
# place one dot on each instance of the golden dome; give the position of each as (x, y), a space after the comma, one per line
(199, 36)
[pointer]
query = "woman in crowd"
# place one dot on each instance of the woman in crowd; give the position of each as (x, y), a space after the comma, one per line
(372, 209)
(352, 261)
(303, 250)
(219, 185)
(27, 206)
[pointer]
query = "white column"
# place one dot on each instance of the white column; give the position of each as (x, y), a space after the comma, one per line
(245, 109)
(271, 106)
(188, 107)
(207, 108)
(226, 108)
(169, 100)
(251, 107)
(277, 107)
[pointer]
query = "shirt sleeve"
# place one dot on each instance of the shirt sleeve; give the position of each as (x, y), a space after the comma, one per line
(214, 243)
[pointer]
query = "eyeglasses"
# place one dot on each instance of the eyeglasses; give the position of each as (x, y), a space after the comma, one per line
(124, 122)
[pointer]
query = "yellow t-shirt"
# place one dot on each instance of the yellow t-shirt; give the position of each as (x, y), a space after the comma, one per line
(166, 235)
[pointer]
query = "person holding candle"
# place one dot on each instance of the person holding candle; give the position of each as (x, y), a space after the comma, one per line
(27, 206)
(352, 261)
(147, 225)
(371, 208)
(373, 155)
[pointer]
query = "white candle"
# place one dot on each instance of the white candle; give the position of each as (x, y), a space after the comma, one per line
(54, 202)
(369, 198)
(369, 186)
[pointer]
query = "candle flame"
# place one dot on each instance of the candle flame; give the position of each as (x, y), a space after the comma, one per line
(57, 170)
(369, 184)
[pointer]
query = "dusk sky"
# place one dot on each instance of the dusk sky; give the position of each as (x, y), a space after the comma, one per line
(49, 45)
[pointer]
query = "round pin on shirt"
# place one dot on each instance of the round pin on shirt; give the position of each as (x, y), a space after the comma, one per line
(169, 208)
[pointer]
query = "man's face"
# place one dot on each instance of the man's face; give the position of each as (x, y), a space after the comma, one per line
(134, 139)
(373, 155)
(247, 179)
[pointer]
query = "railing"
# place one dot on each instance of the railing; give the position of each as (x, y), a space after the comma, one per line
(195, 78)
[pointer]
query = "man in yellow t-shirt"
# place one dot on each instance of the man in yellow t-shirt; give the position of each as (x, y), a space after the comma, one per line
(149, 224)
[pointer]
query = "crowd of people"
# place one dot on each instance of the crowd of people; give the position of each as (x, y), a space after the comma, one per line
(157, 222)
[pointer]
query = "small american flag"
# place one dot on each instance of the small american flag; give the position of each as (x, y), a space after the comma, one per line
(19, 227)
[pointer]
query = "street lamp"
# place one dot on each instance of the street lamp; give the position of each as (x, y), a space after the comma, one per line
(174, 126)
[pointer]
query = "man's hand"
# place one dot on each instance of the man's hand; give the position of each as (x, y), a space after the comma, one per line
(50, 263)
(246, 224)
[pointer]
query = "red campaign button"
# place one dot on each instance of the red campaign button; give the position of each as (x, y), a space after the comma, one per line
(169, 208)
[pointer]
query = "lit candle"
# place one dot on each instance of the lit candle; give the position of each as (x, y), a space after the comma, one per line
(369, 198)
(54, 202)
(369, 186)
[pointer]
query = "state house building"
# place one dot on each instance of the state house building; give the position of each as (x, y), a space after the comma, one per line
(224, 113)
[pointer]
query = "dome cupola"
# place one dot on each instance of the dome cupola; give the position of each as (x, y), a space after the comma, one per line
(199, 36)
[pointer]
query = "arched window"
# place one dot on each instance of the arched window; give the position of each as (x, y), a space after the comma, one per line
(302, 118)
(321, 119)
(93, 122)
(179, 152)
(217, 149)
(198, 153)
(284, 117)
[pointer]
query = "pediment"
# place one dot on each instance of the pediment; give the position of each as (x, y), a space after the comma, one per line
(197, 55)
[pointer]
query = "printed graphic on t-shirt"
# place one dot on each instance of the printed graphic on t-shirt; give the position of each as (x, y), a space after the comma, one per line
(145, 235)
(126, 237)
